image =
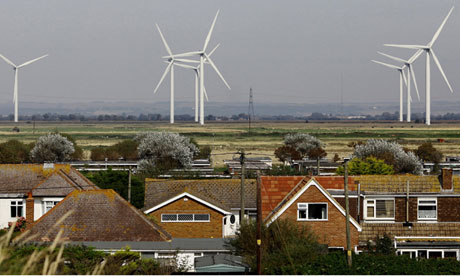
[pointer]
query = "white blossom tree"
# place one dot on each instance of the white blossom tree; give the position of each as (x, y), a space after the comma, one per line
(164, 151)
(392, 153)
(52, 148)
(302, 142)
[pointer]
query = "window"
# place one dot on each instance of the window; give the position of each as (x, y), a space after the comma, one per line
(427, 209)
(380, 208)
(312, 211)
(16, 208)
(185, 217)
(48, 205)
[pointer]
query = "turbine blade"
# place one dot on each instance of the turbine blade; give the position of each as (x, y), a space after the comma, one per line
(187, 60)
(404, 77)
(208, 37)
(8, 61)
(387, 65)
(406, 46)
(184, 66)
(440, 69)
(217, 70)
(213, 50)
(440, 28)
(415, 56)
(164, 40)
(31, 61)
(205, 94)
(411, 69)
(162, 77)
(188, 54)
(393, 58)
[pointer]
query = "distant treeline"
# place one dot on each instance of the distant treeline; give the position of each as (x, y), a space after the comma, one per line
(315, 116)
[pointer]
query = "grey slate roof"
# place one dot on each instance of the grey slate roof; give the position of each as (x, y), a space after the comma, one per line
(97, 215)
(224, 193)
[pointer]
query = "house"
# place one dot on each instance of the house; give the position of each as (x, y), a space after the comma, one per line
(31, 190)
(315, 202)
(95, 215)
(420, 213)
(251, 164)
(199, 208)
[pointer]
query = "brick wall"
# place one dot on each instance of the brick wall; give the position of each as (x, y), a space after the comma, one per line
(211, 229)
(331, 232)
(449, 209)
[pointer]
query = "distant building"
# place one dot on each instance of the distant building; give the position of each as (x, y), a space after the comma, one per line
(251, 164)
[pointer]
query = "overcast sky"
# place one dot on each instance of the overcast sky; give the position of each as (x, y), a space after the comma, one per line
(288, 51)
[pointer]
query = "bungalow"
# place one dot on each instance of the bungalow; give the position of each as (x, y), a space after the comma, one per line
(31, 190)
(198, 208)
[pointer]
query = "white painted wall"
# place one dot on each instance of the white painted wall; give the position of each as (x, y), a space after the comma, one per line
(5, 215)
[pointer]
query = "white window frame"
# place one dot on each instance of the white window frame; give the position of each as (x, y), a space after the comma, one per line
(193, 220)
(306, 210)
(49, 200)
(428, 251)
(16, 206)
(426, 199)
(374, 204)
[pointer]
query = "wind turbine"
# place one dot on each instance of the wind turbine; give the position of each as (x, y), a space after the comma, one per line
(429, 52)
(203, 56)
(170, 68)
(196, 70)
(408, 64)
(15, 91)
(402, 77)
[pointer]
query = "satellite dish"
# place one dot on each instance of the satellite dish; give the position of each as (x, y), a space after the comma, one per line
(232, 219)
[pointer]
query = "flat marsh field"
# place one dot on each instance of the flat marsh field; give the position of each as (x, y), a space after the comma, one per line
(226, 138)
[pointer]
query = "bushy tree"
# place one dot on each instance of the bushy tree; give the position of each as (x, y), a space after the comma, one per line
(285, 246)
(392, 153)
(204, 150)
(162, 151)
(52, 147)
(78, 153)
(427, 152)
(370, 165)
(126, 149)
(14, 151)
(285, 153)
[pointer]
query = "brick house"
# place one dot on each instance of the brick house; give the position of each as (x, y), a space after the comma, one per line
(31, 190)
(305, 201)
(420, 213)
(198, 208)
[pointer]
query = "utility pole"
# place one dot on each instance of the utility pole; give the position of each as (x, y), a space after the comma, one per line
(259, 225)
(347, 215)
(243, 172)
(250, 110)
(129, 185)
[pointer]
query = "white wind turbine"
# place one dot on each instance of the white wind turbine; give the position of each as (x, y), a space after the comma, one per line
(402, 77)
(15, 90)
(203, 56)
(408, 64)
(429, 52)
(196, 70)
(170, 68)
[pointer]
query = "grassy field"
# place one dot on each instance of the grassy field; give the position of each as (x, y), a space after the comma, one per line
(226, 138)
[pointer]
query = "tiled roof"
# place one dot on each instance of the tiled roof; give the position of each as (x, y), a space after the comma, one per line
(220, 192)
(59, 180)
(440, 229)
(98, 215)
(398, 183)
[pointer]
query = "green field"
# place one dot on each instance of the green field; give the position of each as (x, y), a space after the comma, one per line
(227, 137)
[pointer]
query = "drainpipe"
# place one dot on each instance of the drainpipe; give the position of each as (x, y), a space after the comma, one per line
(359, 203)
(407, 223)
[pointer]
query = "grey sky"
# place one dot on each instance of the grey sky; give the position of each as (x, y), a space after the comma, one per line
(288, 51)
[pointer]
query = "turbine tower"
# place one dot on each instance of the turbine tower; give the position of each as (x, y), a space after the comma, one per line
(15, 90)
(408, 64)
(429, 52)
(170, 68)
(196, 70)
(203, 56)
(402, 77)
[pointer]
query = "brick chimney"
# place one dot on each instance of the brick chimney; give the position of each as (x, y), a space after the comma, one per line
(29, 210)
(447, 179)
